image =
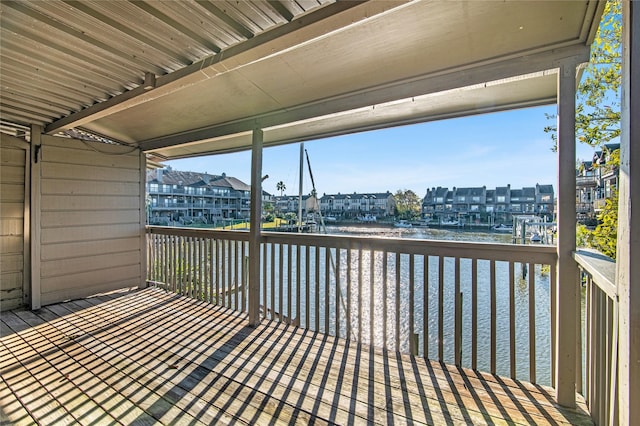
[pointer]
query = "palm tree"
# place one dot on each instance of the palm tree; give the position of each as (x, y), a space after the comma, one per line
(280, 186)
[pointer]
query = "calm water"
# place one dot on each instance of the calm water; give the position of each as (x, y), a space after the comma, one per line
(372, 314)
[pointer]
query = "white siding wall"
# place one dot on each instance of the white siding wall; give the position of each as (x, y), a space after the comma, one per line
(91, 225)
(13, 157)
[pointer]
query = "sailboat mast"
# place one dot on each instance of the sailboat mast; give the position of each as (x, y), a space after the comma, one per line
(300, 187)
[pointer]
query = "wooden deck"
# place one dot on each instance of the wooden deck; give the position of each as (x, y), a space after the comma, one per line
(149, 357)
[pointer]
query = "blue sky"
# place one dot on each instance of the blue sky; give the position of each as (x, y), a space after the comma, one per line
(490, 149)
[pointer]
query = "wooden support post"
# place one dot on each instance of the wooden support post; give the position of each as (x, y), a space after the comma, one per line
(254, 230)
(566, 288)
(143, 220)
(36, 161)
(627, 265)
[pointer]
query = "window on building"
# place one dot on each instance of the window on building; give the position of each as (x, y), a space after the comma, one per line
(501, 199)
(153, 187)
(476, 199)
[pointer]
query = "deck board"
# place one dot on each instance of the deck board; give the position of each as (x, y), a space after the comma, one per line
(151, 357)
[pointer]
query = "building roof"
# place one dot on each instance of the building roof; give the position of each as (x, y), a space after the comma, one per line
(194, 179)
(545, 189)
(470, 191)
(357, 196)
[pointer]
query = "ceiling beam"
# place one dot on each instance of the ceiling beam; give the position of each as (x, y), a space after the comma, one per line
(230, 22)
(432, 83)
(168, 83)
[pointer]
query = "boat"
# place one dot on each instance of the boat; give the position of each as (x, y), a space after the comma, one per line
(535, 238)
(367, 218)
(330, 219)
(449, 223)
(503, 228)
(402, 224)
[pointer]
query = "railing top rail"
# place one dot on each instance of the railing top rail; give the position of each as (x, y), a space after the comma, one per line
(601, 268)
(216, 234)
(487, 251)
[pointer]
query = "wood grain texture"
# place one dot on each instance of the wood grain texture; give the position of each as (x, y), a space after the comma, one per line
(151, 356)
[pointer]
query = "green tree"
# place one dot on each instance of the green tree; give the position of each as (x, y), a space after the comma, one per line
(605, 237)
(280, 186)
(408, 204)
(598, 94)
(598, 111)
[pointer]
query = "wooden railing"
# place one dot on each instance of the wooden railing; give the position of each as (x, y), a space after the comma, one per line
(203, 264)
(485, 306)
(597, 369)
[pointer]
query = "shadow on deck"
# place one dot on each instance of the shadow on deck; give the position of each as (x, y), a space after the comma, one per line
(147, 356)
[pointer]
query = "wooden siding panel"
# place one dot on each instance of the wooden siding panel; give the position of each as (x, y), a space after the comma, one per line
(87, 248)
(88, 202)
(88, 173)
(88, 233)
(90, 219)
(89, 263)
(12, 244)
(74, 154)
(12, 192)
(96, 278)
(73, 293)
(80, 218)
(74, 187)
(11, 210)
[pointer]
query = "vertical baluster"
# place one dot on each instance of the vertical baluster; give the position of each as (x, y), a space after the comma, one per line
(372, 287)
(327, 277)
(181, 262)
(532, 324)
(289, 284)
(165, 261)
(298, 285)
(360, 300)
(474, 314)
(599, 357)
(425, 303)
(338, 292)
(552, 281)
(512, 320)
(413, 348)
(348, 312)
(587, 337)
(223, 272)
(237, 264)
(493, 316)
(232, 272)
(317, 289)
(212, 268)
(273, 282)
(191, 267)
(457, 308)
(265, 282)
(607, 355)
(579, 384)
(307, 294)
(397, 302)
(441, 309)
(593, 359)
(243, 282)
(219, 268)
(281, 283)
(385, 259)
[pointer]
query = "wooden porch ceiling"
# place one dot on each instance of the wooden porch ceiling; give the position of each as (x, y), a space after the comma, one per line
(162, 75)
(148, 357)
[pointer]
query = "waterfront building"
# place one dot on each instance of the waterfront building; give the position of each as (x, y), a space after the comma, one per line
(596, 181)
(475, 205)
(348, 206)
(289, 204)
(185, 197)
